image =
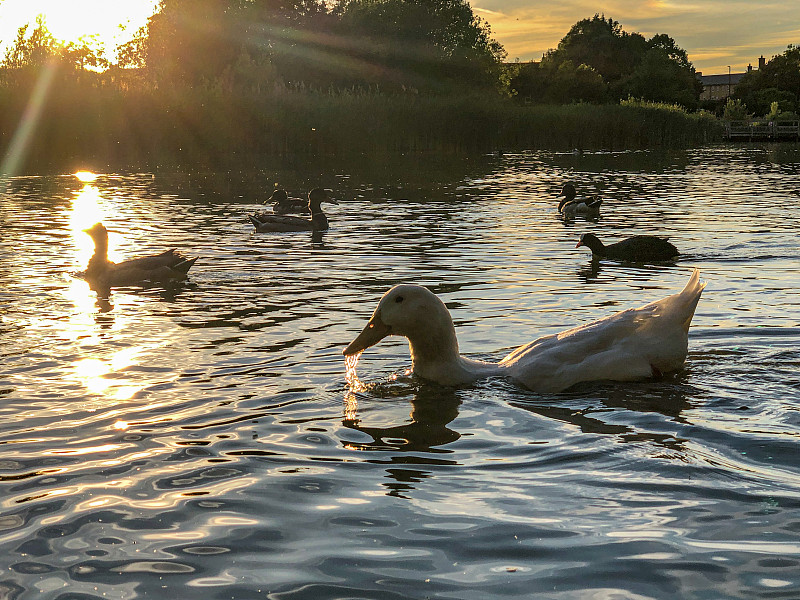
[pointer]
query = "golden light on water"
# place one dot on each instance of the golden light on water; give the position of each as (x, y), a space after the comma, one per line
(86, 176)
(353, 386)
(101, 371)
(350, 375)
(85, 210)
(95, 374)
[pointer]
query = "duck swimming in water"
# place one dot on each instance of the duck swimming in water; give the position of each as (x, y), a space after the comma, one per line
(318, 222)
(633, 344)
(569, 206)
(639, 248)
(283, 205)
(168, 266)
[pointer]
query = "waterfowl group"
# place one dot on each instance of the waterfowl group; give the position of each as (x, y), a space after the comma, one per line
(264, 222)
(633, 344)
(639, 248)
(168, 266)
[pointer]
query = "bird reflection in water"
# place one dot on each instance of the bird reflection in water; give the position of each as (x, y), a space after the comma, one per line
(317, 242)
(669, 399)
(432, 409)
(590, 272)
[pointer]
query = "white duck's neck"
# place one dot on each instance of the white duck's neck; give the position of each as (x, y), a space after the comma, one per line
(435, 356)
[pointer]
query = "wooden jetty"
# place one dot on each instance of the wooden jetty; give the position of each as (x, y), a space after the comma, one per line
(762, 130)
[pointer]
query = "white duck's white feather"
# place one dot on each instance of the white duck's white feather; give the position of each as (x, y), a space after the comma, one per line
(632, 344)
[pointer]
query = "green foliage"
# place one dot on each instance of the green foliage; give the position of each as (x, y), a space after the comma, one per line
(427, 45)
(40, 48)
(627, 64)
(208, 129)
(659, 77)
(630, 101)
(214, 83)
(396, 45)
(778, 81)
(601, 44)
(34, 50)
(735, 110)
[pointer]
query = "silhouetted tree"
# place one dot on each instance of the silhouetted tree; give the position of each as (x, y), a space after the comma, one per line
(778, 81)
(661, 78)
(628, 64)
(31, 50)
(601, 44)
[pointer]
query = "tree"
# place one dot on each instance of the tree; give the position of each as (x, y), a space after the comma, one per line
(778, 81)
(189, 41)
(211, 42)
(34, 50)
(627, 64)
(660, 78)
(426, 44)
(40, 48)
(601, 44)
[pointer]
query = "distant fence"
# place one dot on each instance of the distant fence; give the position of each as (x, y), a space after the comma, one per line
(762, 130)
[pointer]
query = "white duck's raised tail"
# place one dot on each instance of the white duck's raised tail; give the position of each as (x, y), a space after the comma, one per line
(633, 344)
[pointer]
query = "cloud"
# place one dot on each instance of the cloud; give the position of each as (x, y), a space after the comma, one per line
(715, 33)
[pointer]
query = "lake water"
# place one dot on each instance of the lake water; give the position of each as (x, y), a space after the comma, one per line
(201, 442)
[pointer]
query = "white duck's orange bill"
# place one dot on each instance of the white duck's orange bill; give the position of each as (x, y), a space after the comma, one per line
(373, 333)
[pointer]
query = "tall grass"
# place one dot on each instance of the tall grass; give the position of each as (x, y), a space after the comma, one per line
(142, 127)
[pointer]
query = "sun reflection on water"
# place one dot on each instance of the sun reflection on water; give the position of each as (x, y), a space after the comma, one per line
(98, 371)
(86, 176)
(86, 210)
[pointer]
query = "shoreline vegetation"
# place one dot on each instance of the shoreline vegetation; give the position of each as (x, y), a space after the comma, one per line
(113, 128)
(214, 84)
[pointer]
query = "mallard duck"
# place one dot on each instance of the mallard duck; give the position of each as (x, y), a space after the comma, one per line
(283, 205)
(317, 222)
(569, 206)
(639, 248)
(633, 344)
(170, 265)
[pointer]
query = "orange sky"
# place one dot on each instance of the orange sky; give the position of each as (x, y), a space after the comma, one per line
(715, 33)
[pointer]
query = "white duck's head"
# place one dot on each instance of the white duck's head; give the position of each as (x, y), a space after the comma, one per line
(415, 313)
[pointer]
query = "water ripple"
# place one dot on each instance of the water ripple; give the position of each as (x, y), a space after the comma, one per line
(204, 436)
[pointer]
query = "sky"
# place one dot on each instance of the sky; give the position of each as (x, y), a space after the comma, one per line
(715, 33)
(70, 19)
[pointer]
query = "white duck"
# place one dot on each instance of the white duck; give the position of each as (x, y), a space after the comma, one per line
(633, 344)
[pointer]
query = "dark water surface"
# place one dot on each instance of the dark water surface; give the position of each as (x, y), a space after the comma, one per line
(201, 442)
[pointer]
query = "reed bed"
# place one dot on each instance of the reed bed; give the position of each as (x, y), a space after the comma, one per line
(209, 128)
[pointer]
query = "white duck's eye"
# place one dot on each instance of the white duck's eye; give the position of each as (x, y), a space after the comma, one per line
(398, 299)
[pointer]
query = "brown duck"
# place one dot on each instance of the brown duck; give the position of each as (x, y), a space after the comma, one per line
(159, 268)
(318, 222)
(283, 205)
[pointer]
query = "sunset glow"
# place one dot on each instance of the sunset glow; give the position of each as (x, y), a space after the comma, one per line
(111, 23)
(715, 34)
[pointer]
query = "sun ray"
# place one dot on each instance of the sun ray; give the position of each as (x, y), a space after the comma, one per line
(27, 126)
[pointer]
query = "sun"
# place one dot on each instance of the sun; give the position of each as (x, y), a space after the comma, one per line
(111, 23)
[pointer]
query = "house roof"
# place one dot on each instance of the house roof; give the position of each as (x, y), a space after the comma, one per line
(725, 79)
